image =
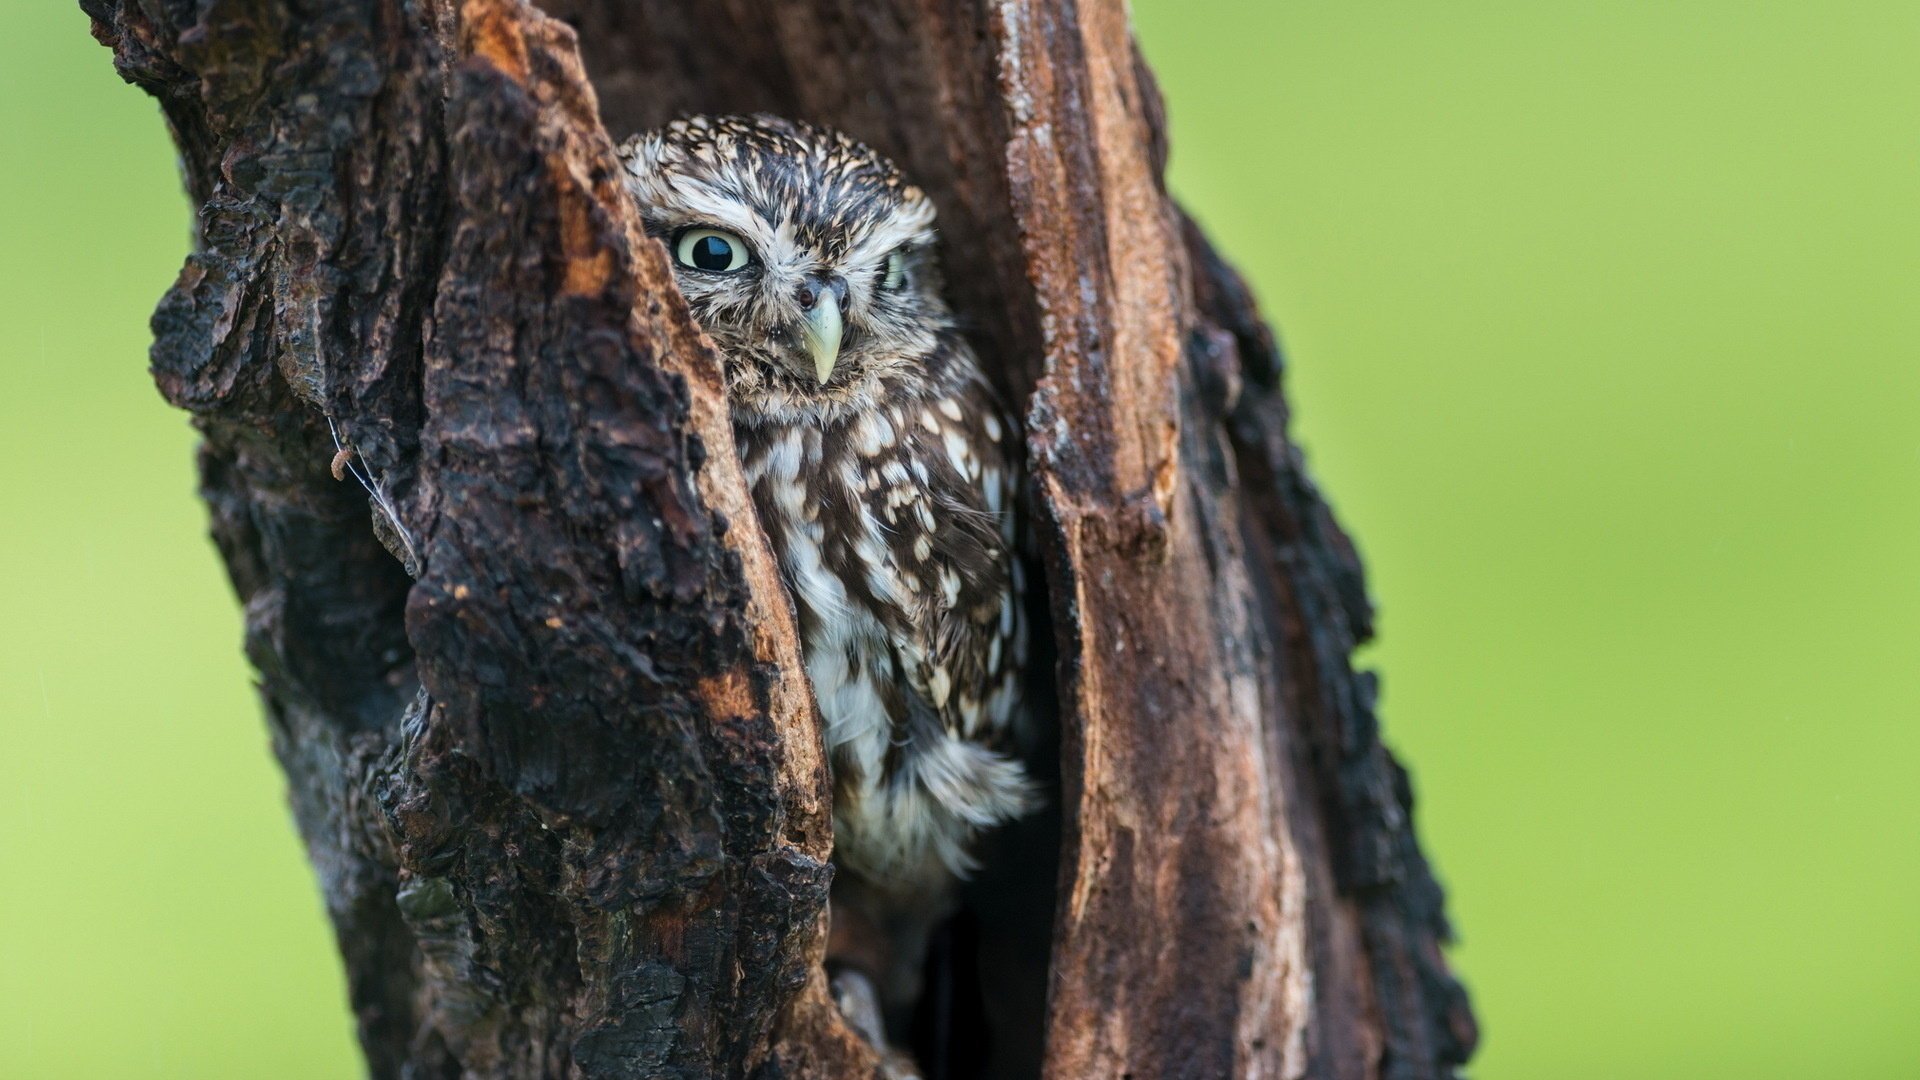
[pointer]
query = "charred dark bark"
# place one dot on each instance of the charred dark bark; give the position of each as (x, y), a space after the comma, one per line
(529, 668)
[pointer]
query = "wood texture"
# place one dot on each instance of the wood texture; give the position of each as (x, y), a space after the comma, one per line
(535, 685)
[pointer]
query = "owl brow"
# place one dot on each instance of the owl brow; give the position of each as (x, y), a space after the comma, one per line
(883, 241)
(702, 204)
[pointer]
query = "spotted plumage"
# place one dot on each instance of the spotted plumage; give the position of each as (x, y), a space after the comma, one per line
(882, 467)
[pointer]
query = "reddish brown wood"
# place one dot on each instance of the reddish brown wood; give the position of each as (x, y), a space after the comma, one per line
(540, 703)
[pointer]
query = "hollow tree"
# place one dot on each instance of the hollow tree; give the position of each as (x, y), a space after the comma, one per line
(524, 653)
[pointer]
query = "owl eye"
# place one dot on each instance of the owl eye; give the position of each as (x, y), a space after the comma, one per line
(713, 250)
(896, 271)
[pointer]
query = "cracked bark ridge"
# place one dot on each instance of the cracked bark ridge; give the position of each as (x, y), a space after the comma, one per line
(538, 696)
(563, 792)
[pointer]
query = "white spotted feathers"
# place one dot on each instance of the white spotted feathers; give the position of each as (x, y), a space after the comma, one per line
(883, 471)
(896, 539)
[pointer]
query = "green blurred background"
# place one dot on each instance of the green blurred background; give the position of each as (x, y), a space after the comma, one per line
(1602, 331)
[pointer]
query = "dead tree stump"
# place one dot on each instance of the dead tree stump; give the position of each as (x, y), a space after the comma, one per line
(529, 668)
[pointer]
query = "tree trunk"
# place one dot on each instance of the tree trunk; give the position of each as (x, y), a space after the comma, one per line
(533, 678)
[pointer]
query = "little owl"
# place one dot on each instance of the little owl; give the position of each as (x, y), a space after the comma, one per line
(885, 475)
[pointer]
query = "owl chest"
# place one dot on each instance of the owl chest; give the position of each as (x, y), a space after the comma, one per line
(844, 528)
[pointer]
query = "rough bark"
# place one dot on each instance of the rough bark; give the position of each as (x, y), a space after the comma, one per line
(533, 679)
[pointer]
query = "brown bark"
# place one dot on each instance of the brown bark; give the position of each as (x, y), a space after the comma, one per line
(542, 713)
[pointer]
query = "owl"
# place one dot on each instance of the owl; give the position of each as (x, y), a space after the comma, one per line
(883, 469)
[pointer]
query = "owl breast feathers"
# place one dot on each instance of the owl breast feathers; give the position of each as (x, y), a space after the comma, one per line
(882, 467)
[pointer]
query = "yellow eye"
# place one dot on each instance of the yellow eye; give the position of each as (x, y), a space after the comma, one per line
(896, 271)
(713, 250)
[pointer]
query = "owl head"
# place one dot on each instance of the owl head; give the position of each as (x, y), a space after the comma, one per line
(801, 252)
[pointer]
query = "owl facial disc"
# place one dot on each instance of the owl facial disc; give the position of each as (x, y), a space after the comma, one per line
(802, 253)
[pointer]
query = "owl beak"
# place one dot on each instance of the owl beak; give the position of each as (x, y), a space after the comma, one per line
(821, 332)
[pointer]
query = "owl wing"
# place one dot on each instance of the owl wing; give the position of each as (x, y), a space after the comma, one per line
(962, 652)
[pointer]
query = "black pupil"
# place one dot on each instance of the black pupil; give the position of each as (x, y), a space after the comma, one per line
(712, 253)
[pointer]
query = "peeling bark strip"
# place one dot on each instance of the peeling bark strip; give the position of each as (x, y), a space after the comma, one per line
(529, 669)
